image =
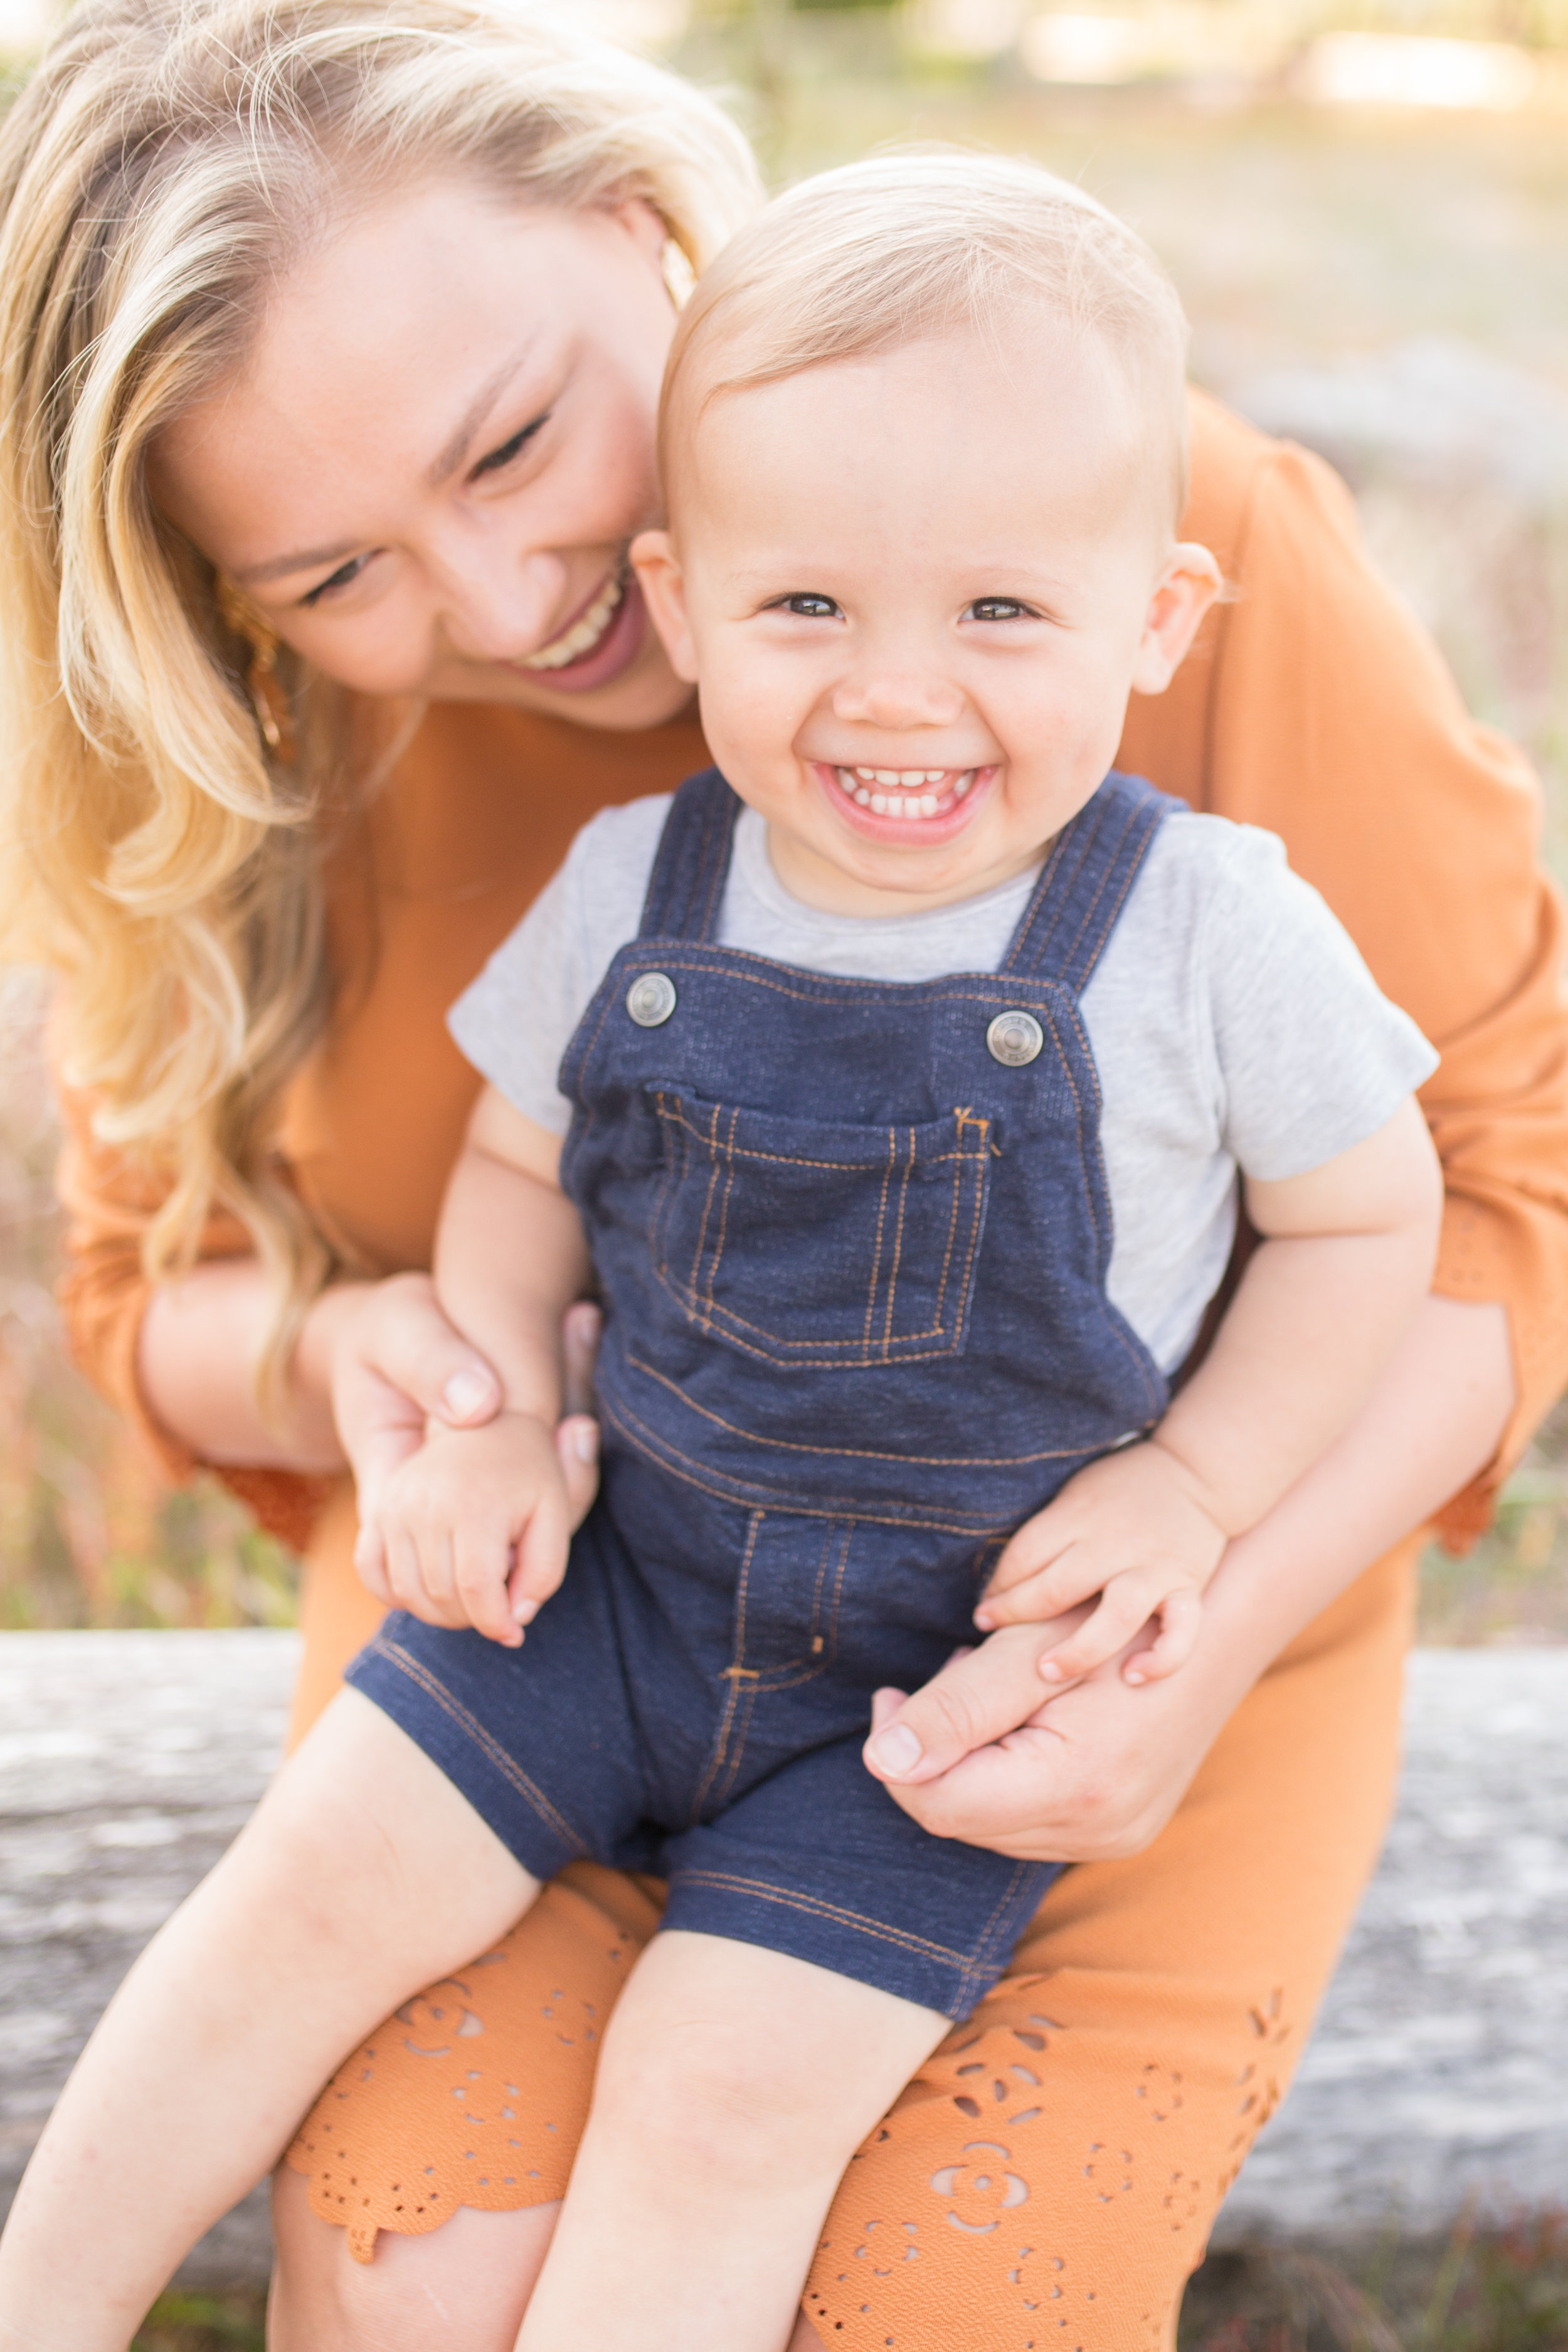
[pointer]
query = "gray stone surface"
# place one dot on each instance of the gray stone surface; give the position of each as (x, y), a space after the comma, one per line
(128, 1760)
(1431, 2077)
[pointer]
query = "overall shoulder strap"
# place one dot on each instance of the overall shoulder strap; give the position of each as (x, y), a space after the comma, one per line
(1086, 882)
(687, 884)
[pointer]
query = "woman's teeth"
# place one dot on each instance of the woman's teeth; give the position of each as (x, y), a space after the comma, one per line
(584, 633)
(905, 791)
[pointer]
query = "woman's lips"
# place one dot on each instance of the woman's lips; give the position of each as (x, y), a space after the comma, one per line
(918, 808)
(617, 622)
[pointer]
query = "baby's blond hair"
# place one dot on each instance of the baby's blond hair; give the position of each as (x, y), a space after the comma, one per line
(921, 243)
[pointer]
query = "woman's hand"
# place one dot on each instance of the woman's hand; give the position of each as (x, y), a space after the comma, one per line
(1089, 1775)
(1096, 1771)
(390, 1363)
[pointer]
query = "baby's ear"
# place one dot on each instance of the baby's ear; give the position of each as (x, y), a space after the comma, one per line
(1185, 589)
(663, 585)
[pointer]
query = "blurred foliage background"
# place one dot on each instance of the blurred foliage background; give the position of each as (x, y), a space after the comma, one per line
(1366, 206)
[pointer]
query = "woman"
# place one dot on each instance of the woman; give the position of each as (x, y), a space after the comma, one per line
(331, 334)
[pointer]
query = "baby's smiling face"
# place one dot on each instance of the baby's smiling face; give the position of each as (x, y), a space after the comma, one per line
(915, 590)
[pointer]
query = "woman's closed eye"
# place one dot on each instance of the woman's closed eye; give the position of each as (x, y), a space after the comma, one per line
(496, 459)
(341, 578)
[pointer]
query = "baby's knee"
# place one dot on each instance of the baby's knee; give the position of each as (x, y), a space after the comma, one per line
(721, 2104)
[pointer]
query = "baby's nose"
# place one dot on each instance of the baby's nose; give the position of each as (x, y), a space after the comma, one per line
(899, 698)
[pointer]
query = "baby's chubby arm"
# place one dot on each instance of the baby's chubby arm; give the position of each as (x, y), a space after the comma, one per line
(1345, 1259)
(474, 1528)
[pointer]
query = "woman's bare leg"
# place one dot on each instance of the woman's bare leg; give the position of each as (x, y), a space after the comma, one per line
(734, 2086)
(363, 1874)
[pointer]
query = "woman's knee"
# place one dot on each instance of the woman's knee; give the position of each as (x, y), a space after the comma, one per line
(466, 2285)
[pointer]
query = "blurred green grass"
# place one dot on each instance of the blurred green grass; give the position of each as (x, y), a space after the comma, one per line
(1504, 2289)
(1297, 235)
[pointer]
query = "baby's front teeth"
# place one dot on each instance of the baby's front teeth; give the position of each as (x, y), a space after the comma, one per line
(860, 784)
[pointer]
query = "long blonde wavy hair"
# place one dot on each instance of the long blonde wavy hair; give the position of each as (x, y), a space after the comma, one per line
(162, 168)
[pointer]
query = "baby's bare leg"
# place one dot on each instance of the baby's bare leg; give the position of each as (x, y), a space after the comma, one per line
(363, 1876)
(734, 2087)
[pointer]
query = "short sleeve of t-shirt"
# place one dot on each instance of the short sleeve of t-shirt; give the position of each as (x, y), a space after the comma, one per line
(516, 1021)
(1309, 1055)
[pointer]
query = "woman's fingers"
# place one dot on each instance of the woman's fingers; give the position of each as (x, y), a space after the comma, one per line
(408, 1341)
(580, 1334)
(577, 1449)
(979, 1695)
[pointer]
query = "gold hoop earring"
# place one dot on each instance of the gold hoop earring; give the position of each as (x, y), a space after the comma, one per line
(274, 718)
(679, 278)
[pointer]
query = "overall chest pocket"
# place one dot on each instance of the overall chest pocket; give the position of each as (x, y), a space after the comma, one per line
(814, 1244)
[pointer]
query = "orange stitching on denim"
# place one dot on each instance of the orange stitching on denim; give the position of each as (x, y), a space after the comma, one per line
(749, 1495)
(854, 1453)
(509, 1770)
(815, 1906)
(712, 1141)
(735, 1686)
(876, 1247)
(714, 1308)
(979, 1966)
(899, 1244)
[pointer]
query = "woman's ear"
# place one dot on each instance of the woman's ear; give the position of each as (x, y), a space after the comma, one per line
(1185, 589)
(663, 585)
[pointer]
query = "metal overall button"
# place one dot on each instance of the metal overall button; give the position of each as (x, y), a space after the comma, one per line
(651, 1000)
(1014, 1038)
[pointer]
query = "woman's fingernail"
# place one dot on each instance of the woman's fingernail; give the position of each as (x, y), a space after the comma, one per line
(897, 1750)
(1049, 1670)
(585, 1442)
(466, 1393)
(524, 1611)
(984, 1620)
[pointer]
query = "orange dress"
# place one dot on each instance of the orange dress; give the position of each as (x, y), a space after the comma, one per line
(1050, 2176)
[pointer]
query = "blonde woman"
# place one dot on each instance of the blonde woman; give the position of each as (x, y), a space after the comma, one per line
(331, 334)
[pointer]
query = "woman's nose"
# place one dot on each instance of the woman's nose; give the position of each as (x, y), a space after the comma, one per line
(501, 606)
(894, 698)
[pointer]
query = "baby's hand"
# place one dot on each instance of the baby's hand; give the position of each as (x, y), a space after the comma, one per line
(1131, 1528)
(474, 1528)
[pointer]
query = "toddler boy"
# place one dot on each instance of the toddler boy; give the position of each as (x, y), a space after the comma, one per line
(895, 1081)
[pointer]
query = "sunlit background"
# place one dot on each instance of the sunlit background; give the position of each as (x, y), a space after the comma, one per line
(1365, 206)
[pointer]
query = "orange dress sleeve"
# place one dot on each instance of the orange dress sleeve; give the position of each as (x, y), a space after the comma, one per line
(480, 810)
(1314, 705)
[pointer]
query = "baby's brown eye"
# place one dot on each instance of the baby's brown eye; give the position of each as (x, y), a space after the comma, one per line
(998, 608)
(810, 606)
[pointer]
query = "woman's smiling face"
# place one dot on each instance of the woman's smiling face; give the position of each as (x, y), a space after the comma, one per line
(427, 470)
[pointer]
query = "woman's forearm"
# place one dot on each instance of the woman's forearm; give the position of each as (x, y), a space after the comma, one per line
(201, 1342)
(1432, 1423)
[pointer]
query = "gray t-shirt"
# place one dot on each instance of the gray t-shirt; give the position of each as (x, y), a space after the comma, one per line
(1233, 1023)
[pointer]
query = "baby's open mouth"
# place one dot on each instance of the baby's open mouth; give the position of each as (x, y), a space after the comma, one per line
(585, 631)
(905, 791)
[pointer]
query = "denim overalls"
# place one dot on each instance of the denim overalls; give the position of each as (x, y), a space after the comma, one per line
(852, 1238)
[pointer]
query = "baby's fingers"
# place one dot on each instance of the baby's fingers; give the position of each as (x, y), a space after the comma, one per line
(542, 1551)
(483, 1557)
(1179, 1615)
(1048, 1592)
(1128, 1603)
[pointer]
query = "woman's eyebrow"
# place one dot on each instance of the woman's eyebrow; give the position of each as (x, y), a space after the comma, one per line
(456, 447)
(450, 457)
